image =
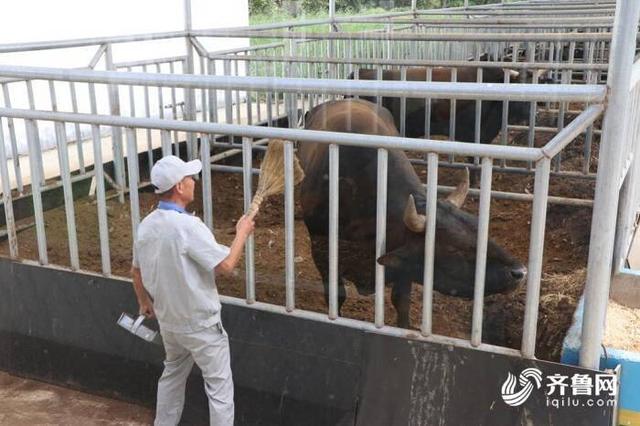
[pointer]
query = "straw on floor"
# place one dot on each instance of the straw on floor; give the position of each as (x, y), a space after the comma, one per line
(271, 180)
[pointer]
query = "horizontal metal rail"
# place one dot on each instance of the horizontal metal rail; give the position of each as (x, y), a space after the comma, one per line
(149, 62)
(247, 49)
(416, 62)
(406, 36)
(365, 326)
(475, 91)
(513, 196)
(66, 44)
(371, 141)
(569, 133)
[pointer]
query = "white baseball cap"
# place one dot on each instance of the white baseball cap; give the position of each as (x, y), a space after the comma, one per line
(170, 170)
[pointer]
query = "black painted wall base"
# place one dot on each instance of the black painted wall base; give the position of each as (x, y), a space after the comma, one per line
(60, 327)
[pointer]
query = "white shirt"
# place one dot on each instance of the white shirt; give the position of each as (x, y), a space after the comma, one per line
(176, 254)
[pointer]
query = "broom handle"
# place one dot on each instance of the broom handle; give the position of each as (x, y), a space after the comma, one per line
(255, 205)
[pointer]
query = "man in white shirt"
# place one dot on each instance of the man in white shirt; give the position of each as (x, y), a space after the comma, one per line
(175, 259)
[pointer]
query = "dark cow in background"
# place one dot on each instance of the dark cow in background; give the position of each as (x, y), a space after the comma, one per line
(455, 247)
(491, 111)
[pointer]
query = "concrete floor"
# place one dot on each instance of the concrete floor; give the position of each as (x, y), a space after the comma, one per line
(29, 402)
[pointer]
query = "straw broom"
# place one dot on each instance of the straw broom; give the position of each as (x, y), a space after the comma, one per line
(271, 180)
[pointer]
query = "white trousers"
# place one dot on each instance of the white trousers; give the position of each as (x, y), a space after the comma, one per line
(209, 348)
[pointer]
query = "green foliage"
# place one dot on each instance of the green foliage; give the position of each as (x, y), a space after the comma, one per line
(347, 7)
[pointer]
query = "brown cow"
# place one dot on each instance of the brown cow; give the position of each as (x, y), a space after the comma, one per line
(456, 230)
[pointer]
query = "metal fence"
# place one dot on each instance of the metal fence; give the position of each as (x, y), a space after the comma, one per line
(315, 66)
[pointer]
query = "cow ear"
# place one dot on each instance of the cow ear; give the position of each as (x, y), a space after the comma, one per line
(390, 260)
(394, 259)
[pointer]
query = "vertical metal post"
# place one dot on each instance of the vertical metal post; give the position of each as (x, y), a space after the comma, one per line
(481, 249)
(174, 116)
(381, 233)
(429, 243)
(100, 190)
(629, 190)
(478, 117)
(452, 112)
(427, 108)
(532, 105)
(213, 93)
(65, 175)
(403, 105)
(34, 152)
(132, 168)
(289, 223)
(76, 126)
(332, 10)
(165, 140)
(36, 138)
(147, 113)
(606, 196)
(189, 94)
(334, 198)
(207, 200)
(15, 155)
(116, 132)
(249, 249)
(6, 198)
(228, 96)
(536, 251)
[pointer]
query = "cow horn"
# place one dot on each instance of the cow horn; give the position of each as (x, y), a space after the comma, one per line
(458, 196)
(514, 74)
(414, 221)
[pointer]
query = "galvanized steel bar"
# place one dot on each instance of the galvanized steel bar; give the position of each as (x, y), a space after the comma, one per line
(481, 250)
(289, 222)
(381, 233)
(132, 168)
(34, 153)
(606, 198)
(334, 197)
(484, 91)
(65, 175)
(189, 112)
(17, 170)
(78, 133)
(536, 251)
(98, 167)
(403, 105)
(371, 141)
(147, 113)
(165, 140)
(228, 99)
(569, 133)
(452, 112)
(36, 138)
(249, 250)
(153, 61)
(7, 199)
(407, 36)
(429, 244)
(207, 196)
(116, 132)
(174, 115)
(97, 56)
(368, 327)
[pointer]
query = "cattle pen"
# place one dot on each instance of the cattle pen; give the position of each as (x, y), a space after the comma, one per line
(567, 72)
